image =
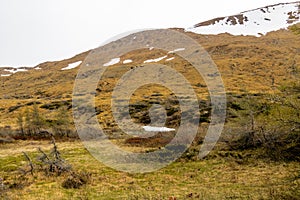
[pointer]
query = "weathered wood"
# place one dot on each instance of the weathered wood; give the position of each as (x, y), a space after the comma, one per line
(30, 163)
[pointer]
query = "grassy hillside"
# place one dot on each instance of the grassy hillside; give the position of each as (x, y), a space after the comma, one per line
(247, 64)
(257, 156)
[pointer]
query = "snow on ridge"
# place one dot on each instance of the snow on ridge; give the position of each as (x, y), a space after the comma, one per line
(112, 62)
(71, 66)
(157, 129)
(155, 60)
(15, 70)
(254, 22)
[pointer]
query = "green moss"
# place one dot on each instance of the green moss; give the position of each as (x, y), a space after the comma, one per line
(11, 163)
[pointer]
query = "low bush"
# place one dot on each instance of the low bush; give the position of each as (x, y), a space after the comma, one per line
(76, 180)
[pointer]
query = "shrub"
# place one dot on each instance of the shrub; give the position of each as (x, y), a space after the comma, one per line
(76, 180)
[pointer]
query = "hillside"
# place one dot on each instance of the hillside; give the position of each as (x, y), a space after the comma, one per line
(255, 157)
(247, 63)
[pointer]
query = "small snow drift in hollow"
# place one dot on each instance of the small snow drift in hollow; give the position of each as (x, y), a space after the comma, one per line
(72, 65)
(254, 22)
(157, 129)
(176, 50)
(37, 68)
(112, 62)
(155, 60)
(127, 61)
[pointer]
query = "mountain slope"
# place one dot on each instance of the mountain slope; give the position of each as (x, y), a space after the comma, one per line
(254, 22)
(247, 64)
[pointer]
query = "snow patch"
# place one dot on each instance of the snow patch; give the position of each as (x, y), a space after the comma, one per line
(169, 59)
(13, 71)
(176, 50)
(37, 68)
(5, 75)
(112, 62)
(72, 65)
(157, 129)
(127, 61)
(254, 22)
(155, 60)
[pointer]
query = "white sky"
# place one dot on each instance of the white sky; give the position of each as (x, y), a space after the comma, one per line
(35, 31)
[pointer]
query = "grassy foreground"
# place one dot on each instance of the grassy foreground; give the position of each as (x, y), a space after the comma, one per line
(219, 177)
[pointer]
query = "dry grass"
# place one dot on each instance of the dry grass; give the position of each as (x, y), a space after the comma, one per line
(217, 178)
(247, 64)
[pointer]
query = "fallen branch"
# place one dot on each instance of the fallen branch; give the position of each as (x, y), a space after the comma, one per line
(30, 164)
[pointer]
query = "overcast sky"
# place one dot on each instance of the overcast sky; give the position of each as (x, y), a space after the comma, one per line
(35, 31)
